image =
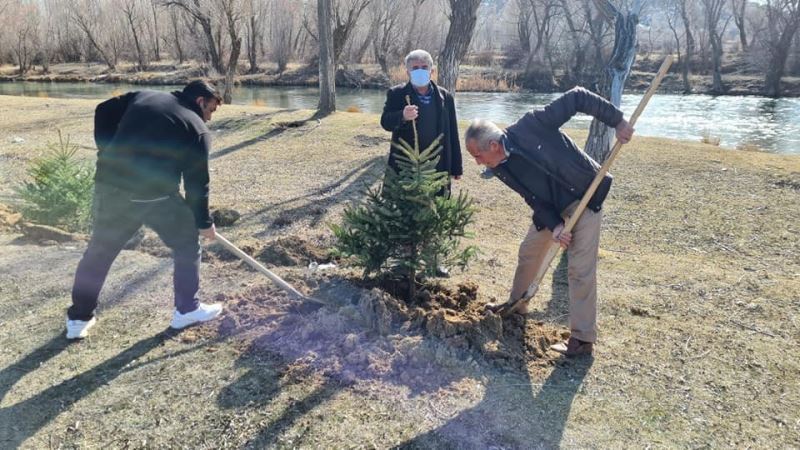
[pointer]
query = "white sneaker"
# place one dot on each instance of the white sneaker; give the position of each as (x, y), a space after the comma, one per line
(79, 329)
(203, 313)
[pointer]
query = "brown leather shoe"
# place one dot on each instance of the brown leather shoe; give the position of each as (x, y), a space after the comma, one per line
(573, 347)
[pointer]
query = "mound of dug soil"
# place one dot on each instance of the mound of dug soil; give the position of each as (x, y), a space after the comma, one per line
(283, 252)
(9, 219)
(373, 335)
(459, 318)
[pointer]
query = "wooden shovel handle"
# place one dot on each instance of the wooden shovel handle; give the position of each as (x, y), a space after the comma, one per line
(259, 267)
(509, 307)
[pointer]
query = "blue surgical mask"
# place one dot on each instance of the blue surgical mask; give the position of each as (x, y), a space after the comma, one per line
(420, 77)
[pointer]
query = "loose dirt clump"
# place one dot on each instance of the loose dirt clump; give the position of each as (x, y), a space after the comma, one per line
(149, 243)
(9, 219)
(458, 318)
(47, 235)
(224, 217)
(363, 140)
(788, 182)
(12, 221)
(292, 251)
(375, 336)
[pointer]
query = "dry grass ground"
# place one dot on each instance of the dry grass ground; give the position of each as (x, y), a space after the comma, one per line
(699, 299)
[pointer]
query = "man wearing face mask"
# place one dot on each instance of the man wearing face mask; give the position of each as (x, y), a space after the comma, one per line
(433, 109)
(147, 142)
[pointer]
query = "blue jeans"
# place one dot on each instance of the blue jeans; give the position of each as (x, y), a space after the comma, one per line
(116, 218)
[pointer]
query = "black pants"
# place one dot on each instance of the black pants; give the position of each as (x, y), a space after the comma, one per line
(116, 218)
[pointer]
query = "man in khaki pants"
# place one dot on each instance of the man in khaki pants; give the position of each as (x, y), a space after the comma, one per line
(535, 159)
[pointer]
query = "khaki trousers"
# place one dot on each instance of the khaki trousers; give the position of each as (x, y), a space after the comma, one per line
(581, 269)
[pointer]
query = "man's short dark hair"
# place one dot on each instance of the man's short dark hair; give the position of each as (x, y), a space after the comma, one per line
(201, 88)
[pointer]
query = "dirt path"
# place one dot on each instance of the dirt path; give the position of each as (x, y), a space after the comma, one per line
(699, 277)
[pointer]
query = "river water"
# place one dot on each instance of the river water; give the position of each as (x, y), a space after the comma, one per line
(738, 122)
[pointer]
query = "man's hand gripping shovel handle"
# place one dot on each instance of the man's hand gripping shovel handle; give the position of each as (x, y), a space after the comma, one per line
(507, 308)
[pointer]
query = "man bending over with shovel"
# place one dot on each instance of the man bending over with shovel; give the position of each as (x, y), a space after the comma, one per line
(147, 141)
(543, 165)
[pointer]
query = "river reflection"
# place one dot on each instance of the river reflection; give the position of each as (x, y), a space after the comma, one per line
(738, 122)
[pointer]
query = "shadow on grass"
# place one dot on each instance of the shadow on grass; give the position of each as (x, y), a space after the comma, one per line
(511, 415)
(10, 375)
(557, 310)
(316, 203)
(269, 374)
(332, 349)
(53, 288)
(279, 128)
(22, 420)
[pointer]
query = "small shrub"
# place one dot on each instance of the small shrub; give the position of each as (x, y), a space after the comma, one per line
(60, 190)
(405, 228)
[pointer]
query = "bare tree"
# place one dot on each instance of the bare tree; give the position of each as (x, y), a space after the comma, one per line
(86, 15)
(614, 75)
(673, 16)
(130, 11)
(176, 34)
(232, 14)
(254, 11)
(597, 26)
(463, 16)
(284, 32)
(411, 33)
(386, 15)
(523, 23)
(346, 16)
(155, 37)
(712, 10)
(201, 12)
(690, 45)
(738, 8)
(26, 37)
(576, 33)
(47, 35)
(783, 19)
(542, 14)
(327, 60)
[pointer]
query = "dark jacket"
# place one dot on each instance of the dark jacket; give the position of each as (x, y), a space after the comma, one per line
(147, 141)
(545, 166)
(392, 120)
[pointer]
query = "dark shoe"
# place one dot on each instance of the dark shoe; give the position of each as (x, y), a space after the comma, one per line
(573, 347)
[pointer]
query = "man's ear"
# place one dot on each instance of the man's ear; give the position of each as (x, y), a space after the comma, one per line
(200, 102)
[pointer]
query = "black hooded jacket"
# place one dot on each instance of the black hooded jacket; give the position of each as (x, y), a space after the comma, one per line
(147, 141)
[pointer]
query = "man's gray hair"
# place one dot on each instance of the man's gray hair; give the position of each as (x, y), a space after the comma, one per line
(482, 132)
(419, 55)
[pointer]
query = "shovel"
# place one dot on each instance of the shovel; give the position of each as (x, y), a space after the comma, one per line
(259, 267)
(507, 308)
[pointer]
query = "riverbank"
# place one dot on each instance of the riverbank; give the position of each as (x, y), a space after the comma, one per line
(369, 76)
(699, 273)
